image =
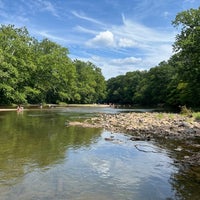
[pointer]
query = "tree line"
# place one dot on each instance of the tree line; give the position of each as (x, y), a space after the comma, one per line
(174, 82)
(33, 71)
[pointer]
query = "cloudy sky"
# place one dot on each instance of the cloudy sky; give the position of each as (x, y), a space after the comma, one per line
(115, 35)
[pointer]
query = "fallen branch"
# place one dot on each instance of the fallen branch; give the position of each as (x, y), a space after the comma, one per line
(146, 151)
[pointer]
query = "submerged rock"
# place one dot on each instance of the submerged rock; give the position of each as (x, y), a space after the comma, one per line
(148, 126)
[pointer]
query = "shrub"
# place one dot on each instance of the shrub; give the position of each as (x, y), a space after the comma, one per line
(196, 115)
(186, 111)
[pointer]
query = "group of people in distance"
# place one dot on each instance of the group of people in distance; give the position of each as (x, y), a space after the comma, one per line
(19, 108)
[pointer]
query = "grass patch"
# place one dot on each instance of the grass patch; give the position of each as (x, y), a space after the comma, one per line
(171, 116)
(160, 116)
(62, 103)
(196, 115)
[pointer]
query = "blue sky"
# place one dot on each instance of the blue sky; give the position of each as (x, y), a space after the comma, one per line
(116, 35)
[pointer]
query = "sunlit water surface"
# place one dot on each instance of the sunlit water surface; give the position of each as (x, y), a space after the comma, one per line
(41, 158)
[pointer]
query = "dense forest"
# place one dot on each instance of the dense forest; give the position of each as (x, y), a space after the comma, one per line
(174, 82)
(33, 71)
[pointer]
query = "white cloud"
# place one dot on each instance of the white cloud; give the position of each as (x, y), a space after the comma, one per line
(124, 42)
(157, 54)
(84, 17)
(85, 30)
(112, 67)
(166, 14)
(130, 35)
(150, 45)
(49, 7)
(141, 33)
(125, 61)
(119, 47)
(102, 39)
(40, 5)
(45, 34)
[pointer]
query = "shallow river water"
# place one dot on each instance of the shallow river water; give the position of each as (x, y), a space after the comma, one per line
(43, 159)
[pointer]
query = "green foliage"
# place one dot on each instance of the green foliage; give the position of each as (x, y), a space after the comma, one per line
(196, 115)
(153, 89)
(144, 88)
(122, 89)
(91, 86)
(55, 73)
(186, 111)
(175, 82)
(34, 72)
(187, 45)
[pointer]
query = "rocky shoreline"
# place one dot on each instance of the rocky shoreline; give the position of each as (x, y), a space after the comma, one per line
(146, 125)
(150, 126)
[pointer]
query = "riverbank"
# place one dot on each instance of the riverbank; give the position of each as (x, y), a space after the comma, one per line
(153, 126)
(146, 125)
(8, 109)
(47, 106)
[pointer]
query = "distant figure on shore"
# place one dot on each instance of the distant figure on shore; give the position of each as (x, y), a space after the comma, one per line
(40, 105)
(19, 108)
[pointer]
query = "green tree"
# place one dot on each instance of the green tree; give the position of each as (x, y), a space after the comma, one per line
(187, 45)
(122, 89)
(90, 83)
(8, 80)
(16, 63)
(55, 74)
(114, 89)
(100, 87)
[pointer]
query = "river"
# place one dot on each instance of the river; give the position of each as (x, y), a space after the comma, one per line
(41, 158)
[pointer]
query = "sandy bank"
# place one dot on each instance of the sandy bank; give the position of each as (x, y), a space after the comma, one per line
(8, 109)
(47, 106)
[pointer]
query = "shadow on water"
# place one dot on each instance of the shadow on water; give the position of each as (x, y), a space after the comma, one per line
(186, 180)
(37, 139)
(41, 158)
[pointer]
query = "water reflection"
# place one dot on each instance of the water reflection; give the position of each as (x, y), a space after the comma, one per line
(31, 140)
(41, 158)
(187, 183)
(186, 180)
